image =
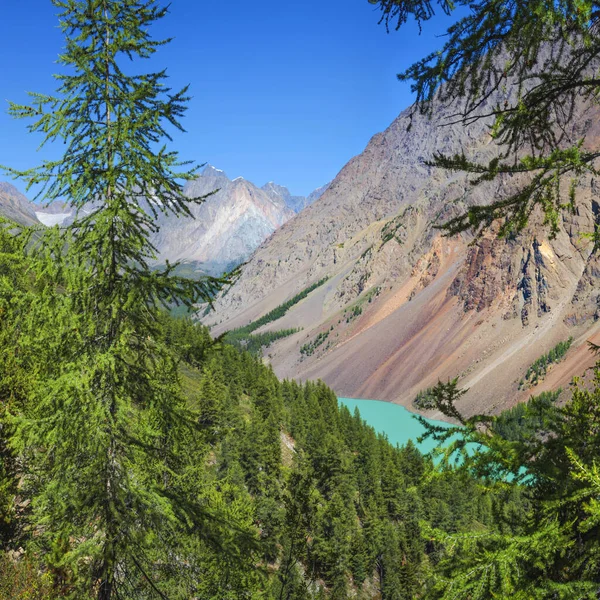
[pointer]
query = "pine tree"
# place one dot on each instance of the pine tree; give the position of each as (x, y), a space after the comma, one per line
(104, 436)
(15, 294)
(551, 549)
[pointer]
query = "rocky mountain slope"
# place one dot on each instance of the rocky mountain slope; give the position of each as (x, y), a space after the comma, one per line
(15, 206)
(297, 203)
(405, 306)
(229, 225)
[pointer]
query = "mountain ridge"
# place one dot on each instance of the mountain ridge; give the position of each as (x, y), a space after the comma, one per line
(15, 206)
(233, 220)
(228, 225)
(458, 307)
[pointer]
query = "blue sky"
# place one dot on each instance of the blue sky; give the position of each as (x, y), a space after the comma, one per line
(282, 91)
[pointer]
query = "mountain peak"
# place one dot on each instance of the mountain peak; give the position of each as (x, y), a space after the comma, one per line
(9, 188)
(210, 171)
(296, 203)
(277, 189)
(316, 194)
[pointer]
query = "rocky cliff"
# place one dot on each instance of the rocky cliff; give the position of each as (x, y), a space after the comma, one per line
(229, 225)
(280, 193)
(15, 206)
(405, 306)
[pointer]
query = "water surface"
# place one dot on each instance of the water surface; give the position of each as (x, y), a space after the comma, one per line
(399, 424)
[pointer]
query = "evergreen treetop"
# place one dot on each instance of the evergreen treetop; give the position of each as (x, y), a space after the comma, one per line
(104, 431)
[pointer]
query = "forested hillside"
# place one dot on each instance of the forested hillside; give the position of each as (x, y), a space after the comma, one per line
(298, 497)
(272, 490)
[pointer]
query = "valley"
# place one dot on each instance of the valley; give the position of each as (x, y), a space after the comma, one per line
(387, 388)
(403, 306)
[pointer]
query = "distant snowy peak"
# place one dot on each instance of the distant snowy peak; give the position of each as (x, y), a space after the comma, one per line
(56, 213)
(278, 190)
(235, 218)
(279, 194)
(210, 171)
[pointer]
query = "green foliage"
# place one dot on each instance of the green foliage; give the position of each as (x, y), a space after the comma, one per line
(353, 312)
(345, 508)
(255, 343)
(391, 230)
(102, 428)
(537, 371)
(277, 312)
(140, 459)
(309, 348)
(372, 294)
(15, 292)
(549, 452)
(526, 419)
(356, 309)
(241, 337)
(425, 399)
(21, 580)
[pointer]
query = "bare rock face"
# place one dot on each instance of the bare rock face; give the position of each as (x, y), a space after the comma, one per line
(404, 306)
(234, 219)
(227, 227)
(15, 206)
(297, 203)
(316, 194)
(516, 272)
(388, 177)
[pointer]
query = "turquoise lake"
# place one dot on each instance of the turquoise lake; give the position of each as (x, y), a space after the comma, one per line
(399, 424)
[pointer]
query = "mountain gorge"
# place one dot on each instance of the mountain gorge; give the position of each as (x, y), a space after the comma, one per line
(405, 306)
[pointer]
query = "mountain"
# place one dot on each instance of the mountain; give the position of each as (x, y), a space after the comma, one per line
(15, 206)
(404, 306)
(316, 194)
(279, 193)
(296, 203)
(228, 226)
